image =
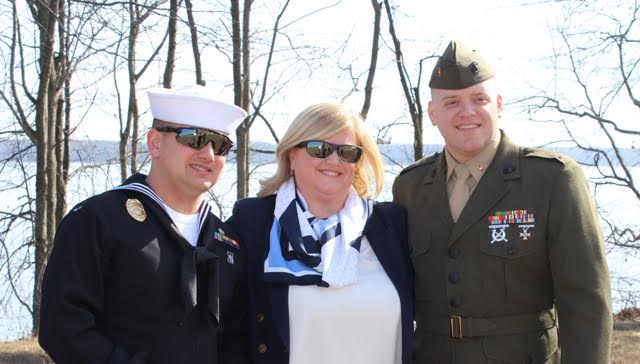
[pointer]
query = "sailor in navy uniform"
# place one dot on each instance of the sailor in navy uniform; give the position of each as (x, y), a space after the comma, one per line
(146, 273)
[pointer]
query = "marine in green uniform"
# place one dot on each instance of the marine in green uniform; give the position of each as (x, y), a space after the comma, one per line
(505, 240)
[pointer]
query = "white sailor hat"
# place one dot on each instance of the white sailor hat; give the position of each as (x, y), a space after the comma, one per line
(194, 106)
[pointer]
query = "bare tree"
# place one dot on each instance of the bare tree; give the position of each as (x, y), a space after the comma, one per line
(592, 93)
(411, 92)
(579, 59)
(195, 47)
(43, 116)
(368, 88)
(46, 14)
(171, 47)
(276, 68)
(48, 124)
(241, 87)
(129, 124)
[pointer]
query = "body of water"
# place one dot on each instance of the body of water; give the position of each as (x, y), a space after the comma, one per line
(15, 320)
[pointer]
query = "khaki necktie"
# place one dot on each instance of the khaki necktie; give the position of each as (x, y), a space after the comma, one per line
(460, 191)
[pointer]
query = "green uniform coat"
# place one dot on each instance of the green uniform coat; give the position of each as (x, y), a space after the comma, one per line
(528, 240)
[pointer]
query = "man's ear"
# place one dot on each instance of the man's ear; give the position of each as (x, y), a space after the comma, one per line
(499, 104)
(431, 113)
(154, 141)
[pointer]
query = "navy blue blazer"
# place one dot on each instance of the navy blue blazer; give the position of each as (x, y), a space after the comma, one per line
(268, 305)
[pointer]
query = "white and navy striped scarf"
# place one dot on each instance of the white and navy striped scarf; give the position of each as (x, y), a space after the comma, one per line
(306, 251)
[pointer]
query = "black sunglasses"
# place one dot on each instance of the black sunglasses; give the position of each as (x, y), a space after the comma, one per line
(320, 150)
(197, 138)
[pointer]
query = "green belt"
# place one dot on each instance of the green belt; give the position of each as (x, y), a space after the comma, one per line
(460, 326)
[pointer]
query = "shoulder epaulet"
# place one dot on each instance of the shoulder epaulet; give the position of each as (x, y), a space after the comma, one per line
(544, 154)
(422, 162)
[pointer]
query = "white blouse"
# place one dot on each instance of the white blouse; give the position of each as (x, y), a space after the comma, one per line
(356, 324)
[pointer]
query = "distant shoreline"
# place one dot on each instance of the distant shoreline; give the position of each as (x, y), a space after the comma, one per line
(103, 151)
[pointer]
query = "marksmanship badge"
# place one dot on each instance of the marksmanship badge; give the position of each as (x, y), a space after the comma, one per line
(498, 233)
(135, 209)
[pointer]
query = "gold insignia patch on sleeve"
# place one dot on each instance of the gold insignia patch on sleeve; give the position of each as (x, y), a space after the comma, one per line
(136, 210)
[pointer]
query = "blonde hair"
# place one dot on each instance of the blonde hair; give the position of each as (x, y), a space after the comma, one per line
(321, 121)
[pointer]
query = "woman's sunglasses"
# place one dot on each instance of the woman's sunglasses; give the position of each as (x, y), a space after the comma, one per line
(320, 150)
(197, 138)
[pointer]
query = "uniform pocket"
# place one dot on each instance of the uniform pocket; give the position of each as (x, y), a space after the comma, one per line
(517, 269)
(422, 263)
(531, 347)
(512, 249)
(421, 245)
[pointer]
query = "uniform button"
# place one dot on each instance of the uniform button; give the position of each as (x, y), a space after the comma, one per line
(454, 277)
(454, 302)
(259, 317)
(262, 348)
(454, 252)
(512, 251)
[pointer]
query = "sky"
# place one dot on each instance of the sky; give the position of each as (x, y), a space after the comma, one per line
(514, 38)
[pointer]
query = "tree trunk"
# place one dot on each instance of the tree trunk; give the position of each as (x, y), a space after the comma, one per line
(241, 82)
(52, 164)
(132, 116)
(171, 49)
(194, 43)
(125, 133)
(243, 153)
(63, 125)
(368, 88)
(417, 139)
(46, 20)
(135, 123)
(413, 99)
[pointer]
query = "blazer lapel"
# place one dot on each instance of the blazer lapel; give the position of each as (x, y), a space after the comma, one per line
(491, 188)
(279, 301)
(278, 294)
(376, 232)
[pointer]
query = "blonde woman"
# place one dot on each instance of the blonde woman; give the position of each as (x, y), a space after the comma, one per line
(328, 272)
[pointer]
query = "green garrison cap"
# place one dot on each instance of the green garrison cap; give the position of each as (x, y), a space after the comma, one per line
(459, 67)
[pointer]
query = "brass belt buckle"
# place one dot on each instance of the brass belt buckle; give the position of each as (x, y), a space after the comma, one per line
(455, 323)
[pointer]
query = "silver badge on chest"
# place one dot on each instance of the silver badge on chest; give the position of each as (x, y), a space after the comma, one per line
(498, 233)
(500, 222)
